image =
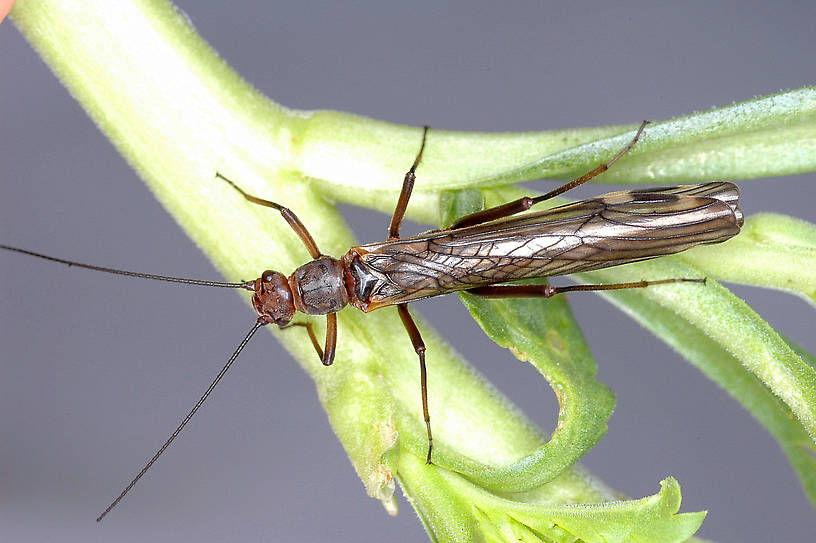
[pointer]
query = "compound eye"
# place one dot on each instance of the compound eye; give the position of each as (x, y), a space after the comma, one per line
(268, 276)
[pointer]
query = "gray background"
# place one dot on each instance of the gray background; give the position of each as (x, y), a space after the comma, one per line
(97, 370)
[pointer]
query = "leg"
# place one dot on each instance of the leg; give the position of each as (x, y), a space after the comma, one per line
(325, 354)
(523, 204)
(288, 216)
(331, 339)
(310, 330)
(419, 347)
(548, 291)
(405, 195)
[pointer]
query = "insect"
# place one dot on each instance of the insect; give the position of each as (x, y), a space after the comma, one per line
(476, 254)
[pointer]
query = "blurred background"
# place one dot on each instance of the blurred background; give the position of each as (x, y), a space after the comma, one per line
(96, 370)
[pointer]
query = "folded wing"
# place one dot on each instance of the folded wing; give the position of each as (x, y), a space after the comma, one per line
(608, 230)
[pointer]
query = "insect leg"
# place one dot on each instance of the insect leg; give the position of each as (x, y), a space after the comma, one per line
(287, 214)
(419, 347)
(310, 330)
(525, 203)
(326, 354)
(548, 291)
(331, 339)
(405, 194)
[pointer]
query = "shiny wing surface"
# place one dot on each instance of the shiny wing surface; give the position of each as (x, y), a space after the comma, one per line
(605, 231)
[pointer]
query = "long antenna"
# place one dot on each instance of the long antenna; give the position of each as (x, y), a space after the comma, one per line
(258, 323)
(245, 285)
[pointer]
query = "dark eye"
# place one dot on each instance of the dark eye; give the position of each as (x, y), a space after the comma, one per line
(268, 276)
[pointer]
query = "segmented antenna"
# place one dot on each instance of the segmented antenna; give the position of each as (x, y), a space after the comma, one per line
(245, 285)
(258, 323)
(248, 285)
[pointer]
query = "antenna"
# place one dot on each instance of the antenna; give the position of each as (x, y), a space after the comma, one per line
(258, 323)
(248, 285)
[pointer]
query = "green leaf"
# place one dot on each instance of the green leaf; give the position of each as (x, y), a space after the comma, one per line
(733, 346)
(765, 136)
(652, 519)
(545, 334)
(536, 517)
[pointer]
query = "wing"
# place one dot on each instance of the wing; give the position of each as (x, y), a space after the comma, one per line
(605, 231)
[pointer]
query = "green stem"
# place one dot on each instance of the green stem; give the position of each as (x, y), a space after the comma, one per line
(178, 114)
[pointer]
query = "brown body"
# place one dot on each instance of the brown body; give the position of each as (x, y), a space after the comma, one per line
(605, 231)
